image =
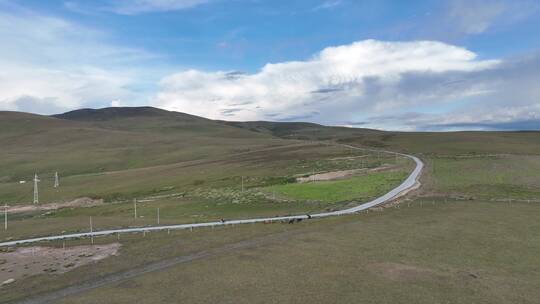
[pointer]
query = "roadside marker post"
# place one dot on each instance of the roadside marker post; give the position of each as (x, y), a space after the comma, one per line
(158, 216)
(135, 207)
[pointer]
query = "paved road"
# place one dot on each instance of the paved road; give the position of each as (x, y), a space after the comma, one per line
(408, 184)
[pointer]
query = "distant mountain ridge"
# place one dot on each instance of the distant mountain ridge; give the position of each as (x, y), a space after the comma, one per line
(111, 113)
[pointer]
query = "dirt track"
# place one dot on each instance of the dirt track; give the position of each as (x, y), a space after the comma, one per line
(79, 202)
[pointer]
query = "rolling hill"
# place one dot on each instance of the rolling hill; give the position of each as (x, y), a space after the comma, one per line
(85, 141)
(144, 146)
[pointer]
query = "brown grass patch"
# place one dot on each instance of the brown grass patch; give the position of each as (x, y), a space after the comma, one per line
(29, 261)
(402, 272)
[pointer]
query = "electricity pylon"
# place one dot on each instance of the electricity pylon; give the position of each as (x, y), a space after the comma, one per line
(56, 182)
(36, 192)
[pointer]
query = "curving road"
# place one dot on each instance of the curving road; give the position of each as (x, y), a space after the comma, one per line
(407, 185)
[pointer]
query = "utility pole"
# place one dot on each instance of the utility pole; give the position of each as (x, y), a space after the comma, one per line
(5, 217)
(242, 184)
(36, 191)
(56, 182)
(91, 231)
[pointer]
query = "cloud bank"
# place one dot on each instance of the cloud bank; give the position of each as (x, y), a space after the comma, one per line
(356, 82)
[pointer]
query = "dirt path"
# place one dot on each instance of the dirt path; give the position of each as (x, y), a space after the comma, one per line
(79, 202)
(56, 295)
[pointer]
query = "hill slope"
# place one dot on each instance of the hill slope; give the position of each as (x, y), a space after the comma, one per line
(439, 143)
(86, 141)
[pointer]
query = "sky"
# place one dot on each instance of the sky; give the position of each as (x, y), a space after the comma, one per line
(420, 65)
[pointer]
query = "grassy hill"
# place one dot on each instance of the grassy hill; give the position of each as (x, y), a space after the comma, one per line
(120, 153)
(82, 143)
(90, 141)
(492, 165)
(427, 143)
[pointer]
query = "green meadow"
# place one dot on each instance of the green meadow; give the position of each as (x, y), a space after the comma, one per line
(358, 188)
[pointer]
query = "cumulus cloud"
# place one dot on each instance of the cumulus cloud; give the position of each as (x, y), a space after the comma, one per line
(338, 84)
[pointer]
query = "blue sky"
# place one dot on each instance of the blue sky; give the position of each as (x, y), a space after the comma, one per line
(400, 65)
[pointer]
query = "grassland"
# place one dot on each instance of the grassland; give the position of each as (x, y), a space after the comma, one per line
(360, 188)
(459, 239)
(216, 198)
(430, 252)
(499, 177)
(196, 190)
(418, 143)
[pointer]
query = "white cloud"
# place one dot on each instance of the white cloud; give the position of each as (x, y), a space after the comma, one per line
(505, 97)
(477, 16)
(116, 103)
(502, 117)
(328, 5)
(49, 65)
(133, 7)
(338, 84)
